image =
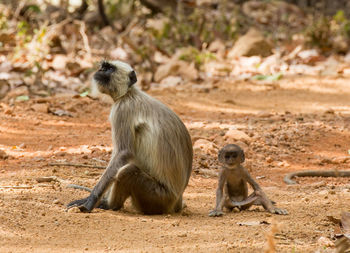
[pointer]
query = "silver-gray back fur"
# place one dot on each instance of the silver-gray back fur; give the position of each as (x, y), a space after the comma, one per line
(158, 139)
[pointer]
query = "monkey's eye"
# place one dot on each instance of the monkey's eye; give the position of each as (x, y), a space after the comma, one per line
(229, 155)
(107, 67)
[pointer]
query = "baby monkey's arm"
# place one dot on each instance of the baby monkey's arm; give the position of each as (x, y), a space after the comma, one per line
(220, 196)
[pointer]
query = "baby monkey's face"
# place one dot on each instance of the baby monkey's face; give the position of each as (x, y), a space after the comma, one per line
(231, 155)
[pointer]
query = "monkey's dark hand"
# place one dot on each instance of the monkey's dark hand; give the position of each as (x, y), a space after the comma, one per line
(85, 205)
(279, 211)
(215, 213)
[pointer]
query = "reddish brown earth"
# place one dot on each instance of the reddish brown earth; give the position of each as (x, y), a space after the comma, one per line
(295, 124)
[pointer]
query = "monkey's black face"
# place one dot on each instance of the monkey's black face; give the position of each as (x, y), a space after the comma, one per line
(231, 155)
(103, 75)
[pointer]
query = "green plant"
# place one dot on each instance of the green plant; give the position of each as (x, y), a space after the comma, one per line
(192, 54)
(199, 27)
(319, 33)
(324, 30)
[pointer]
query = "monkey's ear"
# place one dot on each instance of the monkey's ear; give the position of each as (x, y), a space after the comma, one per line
(220, 155)
(242, 156)
(132, 78)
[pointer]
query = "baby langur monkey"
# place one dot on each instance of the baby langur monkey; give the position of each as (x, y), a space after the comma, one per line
(233, 178)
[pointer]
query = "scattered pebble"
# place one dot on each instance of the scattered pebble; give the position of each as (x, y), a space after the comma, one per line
(3, 155)
(57, 202)
(74, 210)
(237, 135)
(44, 108)
(325, 242)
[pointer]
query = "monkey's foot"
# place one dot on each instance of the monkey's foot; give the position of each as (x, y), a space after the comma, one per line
(279, 211)
(215, 213)
(85, 205)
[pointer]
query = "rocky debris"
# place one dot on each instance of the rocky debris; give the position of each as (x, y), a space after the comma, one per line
(325, 242)
(276, 141)
(205, 147)
(176, 68)
(44, 108)
(236, 135)
(269, 12)
(4, 88)
(207, 172)
(251, 44)
(19, 91)
(3, 155)
(59, 62)
(74, 210)
(171, 81)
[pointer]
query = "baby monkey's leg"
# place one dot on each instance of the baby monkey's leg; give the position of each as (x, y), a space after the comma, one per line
(256, 198)
(252, 199)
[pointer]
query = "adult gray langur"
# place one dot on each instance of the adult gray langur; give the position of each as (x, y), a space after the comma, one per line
(152, 150)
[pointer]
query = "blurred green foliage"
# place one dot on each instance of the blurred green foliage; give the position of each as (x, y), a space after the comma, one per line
(323, 31)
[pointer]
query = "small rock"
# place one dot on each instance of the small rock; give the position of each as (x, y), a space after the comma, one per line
(4, 88)
(38, 159)
(323, 192)
(204, 146)
(60, 153)
(208, 172)
(264, 114)
(269, 159)
(173, 68)
(325, 242)
(329, 111)
(19, 91)
(171, 81)
(59, 62)
(251, 44)
(9, 111)
(243, 146)
(40, 108)
(59, 112)
(74, 210)
(3, 155)
(338, 160)
(237, 135)
(56, 202)
(22, 145)
(283, 164)
(119, 53)
(218, 47)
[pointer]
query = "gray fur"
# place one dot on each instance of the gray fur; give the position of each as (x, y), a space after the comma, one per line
(149, 140)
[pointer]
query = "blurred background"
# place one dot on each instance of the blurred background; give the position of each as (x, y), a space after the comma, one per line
(270, 76)
(53, 46)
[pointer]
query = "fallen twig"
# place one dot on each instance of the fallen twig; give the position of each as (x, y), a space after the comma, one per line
(85, 38)
(77, 165)
(16, 187)
(49, 179)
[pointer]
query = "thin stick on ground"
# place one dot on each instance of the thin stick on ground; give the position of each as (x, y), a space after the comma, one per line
(77, 165)
(16, 187)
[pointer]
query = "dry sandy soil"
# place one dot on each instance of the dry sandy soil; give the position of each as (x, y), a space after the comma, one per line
(295, 124)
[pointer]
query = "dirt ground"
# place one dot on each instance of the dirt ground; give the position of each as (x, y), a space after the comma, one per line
(295, 124)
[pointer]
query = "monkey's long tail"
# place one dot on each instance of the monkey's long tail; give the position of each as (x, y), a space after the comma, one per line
(75, 186)
(288, 179)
